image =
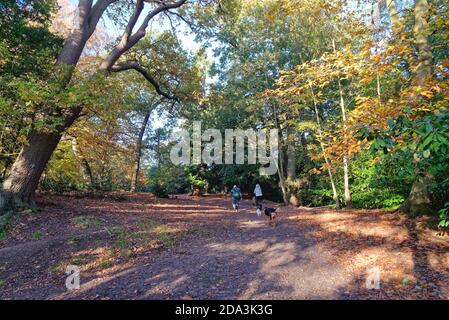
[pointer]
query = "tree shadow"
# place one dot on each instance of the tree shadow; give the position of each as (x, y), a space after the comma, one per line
(241, 258)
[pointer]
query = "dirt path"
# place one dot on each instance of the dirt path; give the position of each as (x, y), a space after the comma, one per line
(200, 249)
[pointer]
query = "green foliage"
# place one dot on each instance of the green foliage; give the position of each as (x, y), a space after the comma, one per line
(381, 181)
(444, 217)
(317, 196)
(63, 174)
(123, 243)
(158, 189)
(168, 179)
(36, 235)
(27, 52)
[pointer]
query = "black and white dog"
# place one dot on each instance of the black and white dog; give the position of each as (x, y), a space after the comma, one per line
(271, 213)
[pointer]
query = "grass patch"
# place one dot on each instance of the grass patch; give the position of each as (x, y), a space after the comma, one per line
(147, 224)
(97, 259)
(86, 222)
(167, 239)
(405, 281)
(71, 240)
(200, 232)
(36, 235)
(5, 220)
(104, 264)
(81, 259)
(123, 243)
(2, 283)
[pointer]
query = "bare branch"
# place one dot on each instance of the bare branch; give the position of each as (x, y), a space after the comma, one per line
(134, 65)
(187, 22)
(142, 30)
(131, 40)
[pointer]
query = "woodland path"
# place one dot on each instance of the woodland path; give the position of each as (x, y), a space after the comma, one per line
(198, 248)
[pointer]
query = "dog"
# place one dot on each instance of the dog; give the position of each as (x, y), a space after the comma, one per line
(259, 210)
(271, 213)
(258, 204)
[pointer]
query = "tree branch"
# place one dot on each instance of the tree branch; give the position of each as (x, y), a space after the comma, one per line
(142, 30)
(131, 40)
(96, 13)
(129, 65)
(187, 22)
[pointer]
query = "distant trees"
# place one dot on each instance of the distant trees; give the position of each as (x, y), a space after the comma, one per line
(358, 93)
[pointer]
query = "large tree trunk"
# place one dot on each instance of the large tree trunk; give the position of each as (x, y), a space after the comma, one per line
(29, 165)
(32, 160)
(135, 177)
(422, 32)
(419, 199)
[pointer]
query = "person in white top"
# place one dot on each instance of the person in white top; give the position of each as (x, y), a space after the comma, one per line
(259, 197)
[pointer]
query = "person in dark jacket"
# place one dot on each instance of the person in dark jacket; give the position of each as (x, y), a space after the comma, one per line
(236, 196)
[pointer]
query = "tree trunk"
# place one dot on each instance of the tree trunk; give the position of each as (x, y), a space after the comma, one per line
(323, 150)
(294, 197)
(348, 197)
(282, 177)
(2, 203)
(86, 169)
(282, 183)
(33, 158)
(29, 165)
(421, 31)
(291, 159)
(419, 199)
(135, 177)
(394, 17)
(280, 164)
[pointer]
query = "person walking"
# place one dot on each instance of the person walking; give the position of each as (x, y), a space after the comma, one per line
(236, 196)
(259, 197)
